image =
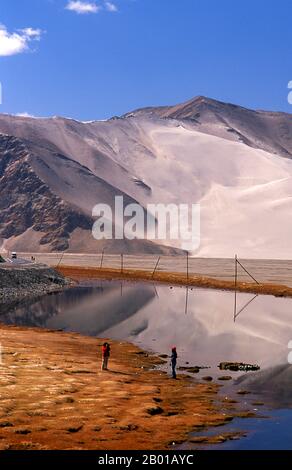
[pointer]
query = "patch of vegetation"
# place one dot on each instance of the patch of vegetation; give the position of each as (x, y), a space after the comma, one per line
(2, 260)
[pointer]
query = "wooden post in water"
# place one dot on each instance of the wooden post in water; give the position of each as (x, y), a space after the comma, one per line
(122, 263)
(187, 298)
(235, 286)
(187, 266)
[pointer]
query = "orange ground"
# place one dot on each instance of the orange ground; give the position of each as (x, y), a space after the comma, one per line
(54, 396)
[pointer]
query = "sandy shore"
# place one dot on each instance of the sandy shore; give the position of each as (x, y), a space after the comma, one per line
(54, 396)
(174, 278)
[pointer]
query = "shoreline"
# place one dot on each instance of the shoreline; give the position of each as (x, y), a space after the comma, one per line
(54, 396)
(173, 278)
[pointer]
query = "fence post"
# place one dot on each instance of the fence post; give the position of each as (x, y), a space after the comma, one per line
(101, 261)
(248, 272)
(60, 260)
(156, 266)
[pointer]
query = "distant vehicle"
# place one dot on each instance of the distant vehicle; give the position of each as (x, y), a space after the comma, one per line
(13, 255)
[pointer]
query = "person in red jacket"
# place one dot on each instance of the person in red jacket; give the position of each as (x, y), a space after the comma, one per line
(105, 352)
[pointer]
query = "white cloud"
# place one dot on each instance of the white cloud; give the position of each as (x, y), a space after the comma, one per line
(32, 33)
(15, 43)
(82, 7)
(110, 6)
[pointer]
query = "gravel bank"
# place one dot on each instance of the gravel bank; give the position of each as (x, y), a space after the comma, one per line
(20, 283)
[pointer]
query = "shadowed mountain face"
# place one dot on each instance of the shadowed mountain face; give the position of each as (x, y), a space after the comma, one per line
(26, 202)
(226, 158)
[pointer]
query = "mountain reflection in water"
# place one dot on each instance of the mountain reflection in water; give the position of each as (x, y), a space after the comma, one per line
(88, 310)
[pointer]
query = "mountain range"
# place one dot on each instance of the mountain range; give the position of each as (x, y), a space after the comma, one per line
(235, 162)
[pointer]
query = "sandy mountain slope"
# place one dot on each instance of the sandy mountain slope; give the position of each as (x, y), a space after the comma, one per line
(270, 131)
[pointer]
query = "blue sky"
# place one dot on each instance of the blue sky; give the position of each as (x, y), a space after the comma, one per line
(124, 54)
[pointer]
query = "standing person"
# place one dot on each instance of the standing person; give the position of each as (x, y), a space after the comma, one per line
(173, 362)
(105, 352)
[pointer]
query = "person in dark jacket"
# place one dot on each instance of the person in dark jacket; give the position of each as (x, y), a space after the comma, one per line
(105, 352)
(173, 360)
